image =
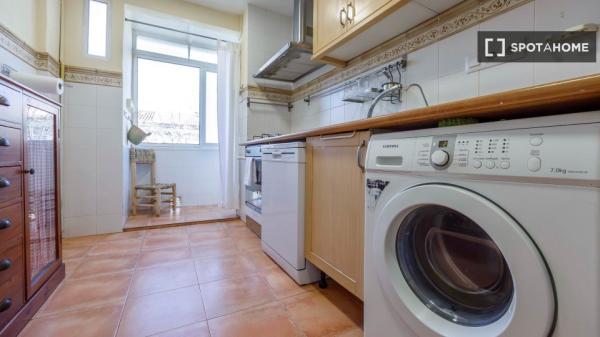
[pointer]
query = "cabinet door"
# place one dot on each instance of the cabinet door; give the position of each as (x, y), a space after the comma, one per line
(365, 8)
(42, 228)
(335, 214)
(327, 26)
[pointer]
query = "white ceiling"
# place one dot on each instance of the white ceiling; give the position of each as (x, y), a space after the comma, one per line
(284, 7)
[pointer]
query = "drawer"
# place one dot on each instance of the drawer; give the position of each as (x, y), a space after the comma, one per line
(11, 223)
(10, 183)
(11, 260)
(10, 146)
(12, 293)
(10, 104)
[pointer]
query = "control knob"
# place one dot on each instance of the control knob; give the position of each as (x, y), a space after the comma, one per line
(440, 157)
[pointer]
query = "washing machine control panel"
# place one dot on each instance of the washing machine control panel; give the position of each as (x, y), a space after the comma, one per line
(549, 152)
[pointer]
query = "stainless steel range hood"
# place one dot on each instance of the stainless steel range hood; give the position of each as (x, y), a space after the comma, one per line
(292, 61)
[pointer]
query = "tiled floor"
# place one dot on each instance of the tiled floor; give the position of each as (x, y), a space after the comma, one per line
(181, 215)
(191, 281)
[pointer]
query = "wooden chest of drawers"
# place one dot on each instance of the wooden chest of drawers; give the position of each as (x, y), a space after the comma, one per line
(30, 233)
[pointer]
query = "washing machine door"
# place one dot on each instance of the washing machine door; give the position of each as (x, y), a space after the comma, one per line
(452, 263)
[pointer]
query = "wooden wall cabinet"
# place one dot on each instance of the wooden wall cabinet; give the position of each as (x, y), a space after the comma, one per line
(335, 193)
(30, 231)
(338, 22)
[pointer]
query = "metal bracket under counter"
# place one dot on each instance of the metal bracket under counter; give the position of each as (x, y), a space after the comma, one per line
(250, 101)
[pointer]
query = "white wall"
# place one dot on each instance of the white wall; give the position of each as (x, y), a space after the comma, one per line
(195, 171)
(92, 160)
(440, 67)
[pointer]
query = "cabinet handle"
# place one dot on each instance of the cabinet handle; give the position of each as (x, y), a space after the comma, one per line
(342, 136)
(4, 182)
(343, 17)
(350, 12)
(30, 171)
(4, 142)
(5, 223)
(5, 304)
(4, 101)
(5, 264)
(360, 165)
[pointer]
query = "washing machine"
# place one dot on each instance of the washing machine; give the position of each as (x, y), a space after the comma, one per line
(485, 230)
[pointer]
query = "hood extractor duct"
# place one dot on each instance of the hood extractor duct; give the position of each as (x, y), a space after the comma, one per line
(293, 61)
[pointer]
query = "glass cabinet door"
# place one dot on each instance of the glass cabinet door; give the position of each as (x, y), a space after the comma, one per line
(39, 138)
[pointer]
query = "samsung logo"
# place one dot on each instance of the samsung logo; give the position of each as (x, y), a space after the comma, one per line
(390, 146)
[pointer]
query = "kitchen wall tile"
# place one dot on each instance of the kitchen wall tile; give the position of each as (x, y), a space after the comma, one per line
(503, 77)
(110, 97)
(79, 183)
(80, 94)
(337, 115)
(518, 19)
(112, 223)
(455, 49)
(109, 117)
(458, 86)
(78, 139)
(79, 116)
(79, 226)
(564, 14)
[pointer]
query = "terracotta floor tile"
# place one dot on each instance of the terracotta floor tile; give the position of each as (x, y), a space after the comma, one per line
(197, 238)
(94, 266)
(71, 266)
(75, 252)
(240, 232)
(283, 285)
(94, 322)
(84, 293)
(260, 260)
(168, 230)
(194, 330)
(81, 241)
(248, 244)
(228, 296)
(161, 312)
(167, 240)
(219, 268)
(214, 248)
(163, 277)
(117, 247)
(205, 227)
(124, 235)
(328, 312)
(167, 255)
(270, 320)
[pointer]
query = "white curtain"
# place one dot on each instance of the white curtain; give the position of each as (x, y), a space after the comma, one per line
(228, 83)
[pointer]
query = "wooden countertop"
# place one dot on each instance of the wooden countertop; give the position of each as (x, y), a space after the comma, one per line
(574, 95)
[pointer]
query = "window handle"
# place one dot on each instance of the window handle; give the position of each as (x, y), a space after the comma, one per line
(4, 101)
(343, 17)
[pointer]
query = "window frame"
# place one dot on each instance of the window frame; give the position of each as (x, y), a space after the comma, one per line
(203, 68)
(86, 29)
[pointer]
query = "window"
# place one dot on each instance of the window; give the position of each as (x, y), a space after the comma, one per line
(97, 27)
(175, 87)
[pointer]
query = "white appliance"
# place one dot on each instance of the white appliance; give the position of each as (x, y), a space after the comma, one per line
(282, 232)
(485, 230)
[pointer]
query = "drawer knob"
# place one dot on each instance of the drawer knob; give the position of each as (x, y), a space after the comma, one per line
(5, 264)
(5, 223)
(4, 182)
(4, 101)
(4, 142)
(5, 304)
(30, 171)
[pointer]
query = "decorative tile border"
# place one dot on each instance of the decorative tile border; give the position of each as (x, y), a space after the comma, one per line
(456, 19)
(38, 60)
(93, 76)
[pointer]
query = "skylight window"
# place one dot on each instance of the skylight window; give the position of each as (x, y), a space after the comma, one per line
(97, 30)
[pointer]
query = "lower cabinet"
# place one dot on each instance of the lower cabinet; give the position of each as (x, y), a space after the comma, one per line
(335, 200)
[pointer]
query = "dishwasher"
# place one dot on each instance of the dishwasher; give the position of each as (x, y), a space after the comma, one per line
(283, 176)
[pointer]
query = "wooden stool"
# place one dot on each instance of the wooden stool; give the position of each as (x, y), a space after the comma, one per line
(152, 193)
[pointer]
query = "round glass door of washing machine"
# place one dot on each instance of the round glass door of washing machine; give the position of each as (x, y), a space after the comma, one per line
(455, 264)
